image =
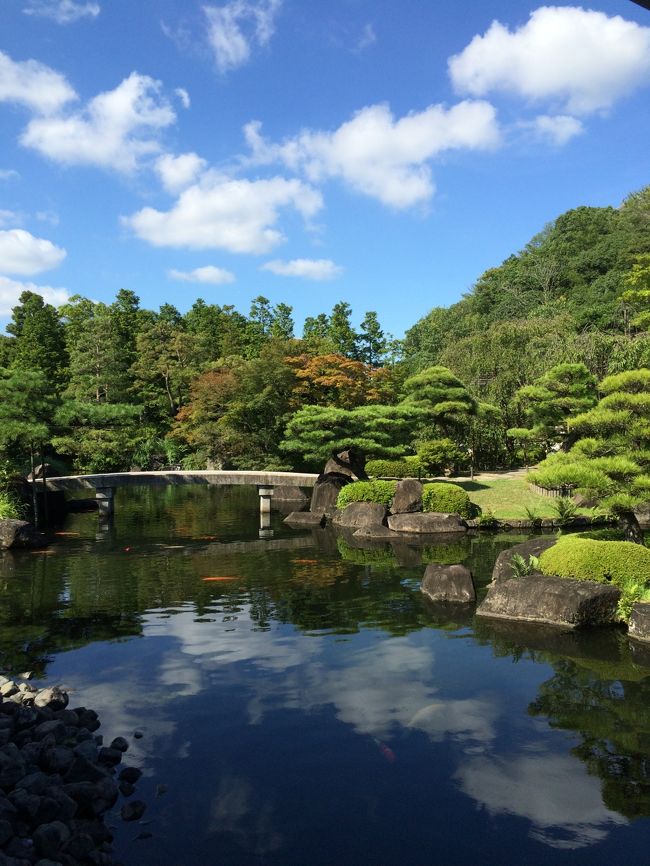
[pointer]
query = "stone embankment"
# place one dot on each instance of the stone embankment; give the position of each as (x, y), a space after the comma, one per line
(57, 780)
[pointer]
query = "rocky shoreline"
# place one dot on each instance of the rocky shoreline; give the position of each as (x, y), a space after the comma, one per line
(58, 780)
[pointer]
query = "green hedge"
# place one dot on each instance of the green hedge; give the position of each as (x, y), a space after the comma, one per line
(393, 468)
(622, 563)
(446, 498)
(367, 491)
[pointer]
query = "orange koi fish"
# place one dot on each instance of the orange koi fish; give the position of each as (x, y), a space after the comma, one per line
(304, 561)
(387, 752)
(230, 577)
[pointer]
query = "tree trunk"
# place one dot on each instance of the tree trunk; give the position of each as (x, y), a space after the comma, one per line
(630, 525)
(34, 499)
(46, 516)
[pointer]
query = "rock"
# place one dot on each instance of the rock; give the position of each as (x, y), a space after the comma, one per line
(375, 533)
(126, 789)
(358, 515)
(554, 600)
(532, 547)
(639, 625)
(305, 518)
(130, 775)
(112, 757)
(642, 513)
(120, 744)
(133, 811)
(6, 832)
(20, 534)
(351, 462)
(408, 497)
(326, 492)
(138, 735)
(8, 689)
(448, 583)
(43, 470)
(48, 838)
(431, 522)
(58, 759)
(54, 699)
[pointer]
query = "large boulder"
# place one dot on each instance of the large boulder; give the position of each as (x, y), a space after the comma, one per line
(639, 625)
(20, 534)
(305, 518)
(326, 492)
(448, 583)
(431, 522)
(554, 600)
(408, 497)
(532, 547)
(359, 515)
(351, 462)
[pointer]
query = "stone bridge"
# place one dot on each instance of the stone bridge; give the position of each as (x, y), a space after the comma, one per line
(106, 484)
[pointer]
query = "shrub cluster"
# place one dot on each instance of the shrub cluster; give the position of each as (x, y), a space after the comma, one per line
(405, 468)
(622, 563)
(10, 508)
(446, 498)
(367, 491)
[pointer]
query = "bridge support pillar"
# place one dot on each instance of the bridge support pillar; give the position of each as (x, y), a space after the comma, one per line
(105, 497)
(265, 494)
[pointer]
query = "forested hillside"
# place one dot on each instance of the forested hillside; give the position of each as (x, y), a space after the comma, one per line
(102, 387)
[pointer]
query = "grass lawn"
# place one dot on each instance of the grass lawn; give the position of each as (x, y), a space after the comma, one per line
(507, 498)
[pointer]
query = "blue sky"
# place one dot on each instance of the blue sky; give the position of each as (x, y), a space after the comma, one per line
(378, 152)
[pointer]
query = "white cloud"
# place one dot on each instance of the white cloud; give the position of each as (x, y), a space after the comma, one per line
(184, 96)
(308, 269)
(33, 85)
(207, 274)
(179, 172)
(11, 290)
(556, 130)
(8, 174)
(22, 253)
(219, 212)
(562, 815)
(368, 37)
(235, 27)
(10, 217)
(62, 11)
(380, 156)
(579, 59)
(115, 130)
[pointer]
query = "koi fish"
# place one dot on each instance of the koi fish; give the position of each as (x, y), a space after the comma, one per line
(67, 534)
(207, 537)
(128, 549)
(304, 561)
(387, 752)
(232, 577)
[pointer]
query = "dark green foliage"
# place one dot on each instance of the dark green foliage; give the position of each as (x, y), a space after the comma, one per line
(436, 455)
(367, 491)
(620, 562)
(446, 498)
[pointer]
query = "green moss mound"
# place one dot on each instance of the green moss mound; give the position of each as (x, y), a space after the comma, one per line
(622, 563)
(367, 491)
(406, 468)
(446, 498)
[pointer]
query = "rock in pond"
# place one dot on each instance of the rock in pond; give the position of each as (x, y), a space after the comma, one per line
(20, 534)
(531, 547)
(305, 518)
(351, 462)
(326, 492)
(639, 625)
(553, 600)
(359, 515)
(448, 583)
(408, 497)
(430, 522)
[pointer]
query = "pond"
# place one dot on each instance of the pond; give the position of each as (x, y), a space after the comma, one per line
(314, 709)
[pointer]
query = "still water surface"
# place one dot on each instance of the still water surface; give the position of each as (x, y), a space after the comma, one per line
(315, 710)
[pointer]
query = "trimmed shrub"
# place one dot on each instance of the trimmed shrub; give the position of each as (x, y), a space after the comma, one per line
(393, 468)
(446, 498)
(436, 455)
(622, 563)
(367, 491)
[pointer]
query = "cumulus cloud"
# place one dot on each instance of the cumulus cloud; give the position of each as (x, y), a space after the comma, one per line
(115, 129)
(220, 212)
(9, 217)
(11, 290)
(22, 253)
(555, 130)
(179, 172)
(234, 28)
(34, 85)
(207, 274)
(308, 269)
(535, 787)
(62, 11)
(184, 96)
(380, 156)
(579, 59)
